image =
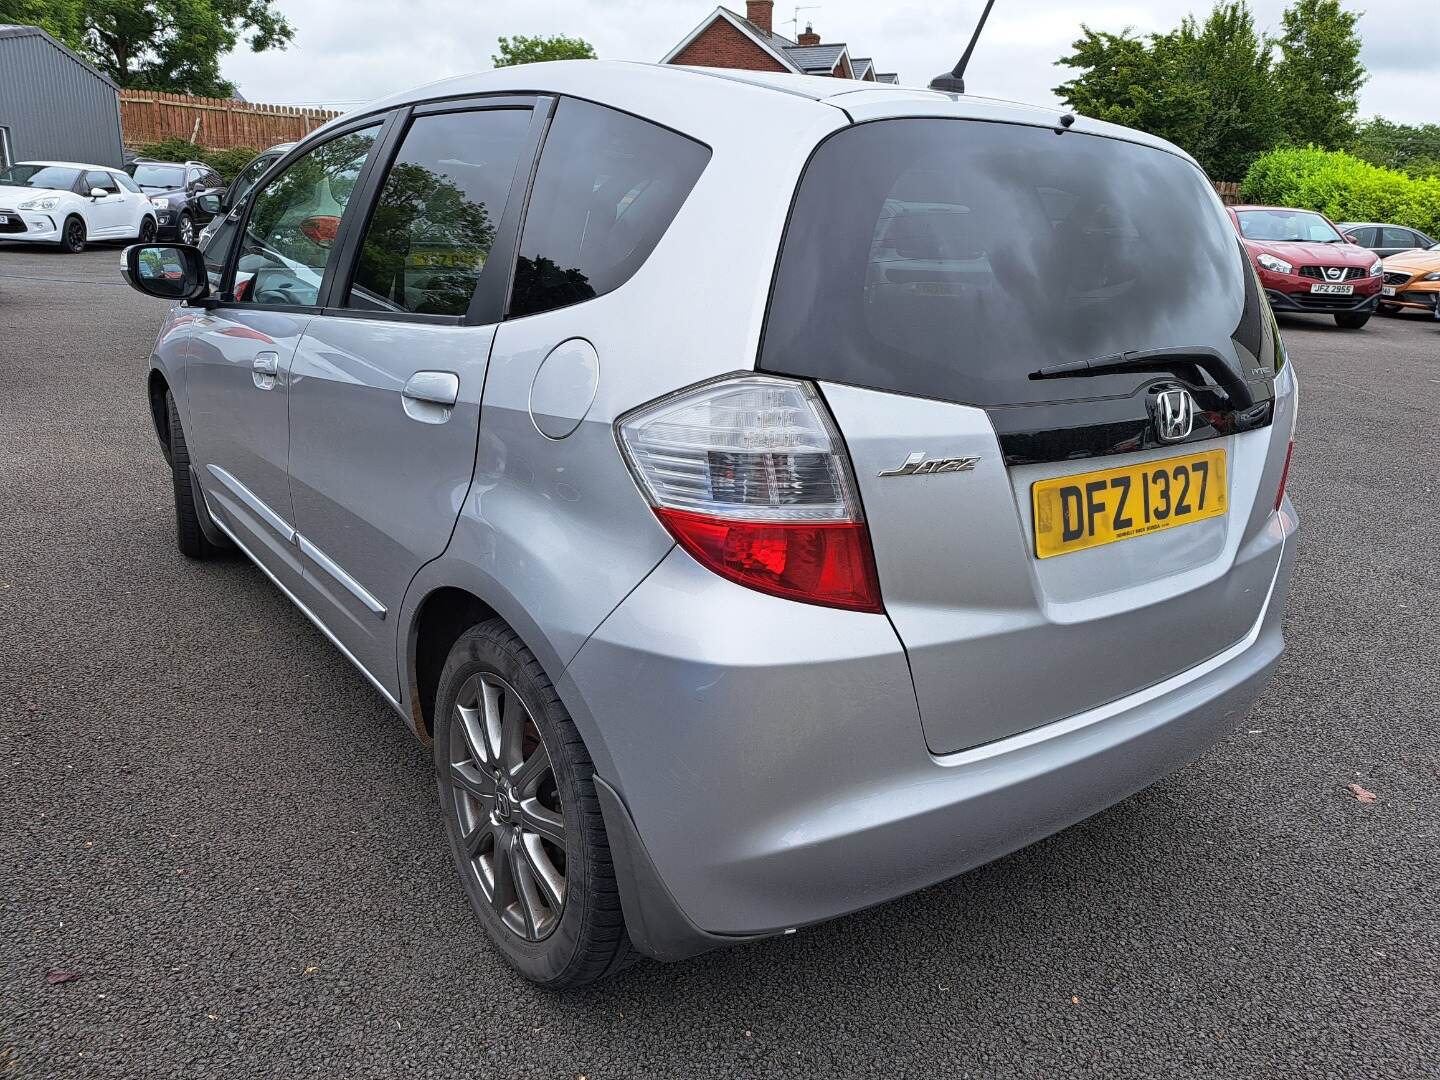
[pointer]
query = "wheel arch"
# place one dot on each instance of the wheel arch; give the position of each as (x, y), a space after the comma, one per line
(447, 597)
(439, 619)
(156, 387)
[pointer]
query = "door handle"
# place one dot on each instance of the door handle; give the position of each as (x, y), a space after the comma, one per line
(266, 369)
(430, 396)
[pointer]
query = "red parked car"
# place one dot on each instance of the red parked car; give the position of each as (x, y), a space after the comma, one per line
(1306, 265)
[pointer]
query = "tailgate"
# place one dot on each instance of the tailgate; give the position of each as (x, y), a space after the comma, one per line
(1001, 641)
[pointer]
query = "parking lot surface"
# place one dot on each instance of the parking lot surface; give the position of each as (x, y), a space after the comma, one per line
(217, 828)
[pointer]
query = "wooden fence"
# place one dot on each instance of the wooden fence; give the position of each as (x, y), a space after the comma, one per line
(1228, 190)
(214, 123)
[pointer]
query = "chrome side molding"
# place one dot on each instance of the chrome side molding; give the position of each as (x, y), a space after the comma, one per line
(287, 532)
(331, 567)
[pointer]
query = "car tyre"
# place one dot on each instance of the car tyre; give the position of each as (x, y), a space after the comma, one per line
(517, 792)
(189, 536)
(185, 229)
(147, 232)
(1352, 320)
(72, 235)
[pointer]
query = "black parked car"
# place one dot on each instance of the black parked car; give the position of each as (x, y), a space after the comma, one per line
(174, 189)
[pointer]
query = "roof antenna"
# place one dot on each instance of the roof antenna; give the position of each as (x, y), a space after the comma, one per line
(953, 82)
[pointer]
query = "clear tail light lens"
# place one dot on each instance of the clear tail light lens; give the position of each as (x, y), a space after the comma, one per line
(750, 477)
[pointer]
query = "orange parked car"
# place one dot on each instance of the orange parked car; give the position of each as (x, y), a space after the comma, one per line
(1412, 281)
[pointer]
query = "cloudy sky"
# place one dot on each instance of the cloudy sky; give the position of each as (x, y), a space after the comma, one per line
(349, 51)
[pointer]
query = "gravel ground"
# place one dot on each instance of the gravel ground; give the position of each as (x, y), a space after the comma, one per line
(215, 825)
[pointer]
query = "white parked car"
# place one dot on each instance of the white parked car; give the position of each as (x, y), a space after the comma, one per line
(66, 203)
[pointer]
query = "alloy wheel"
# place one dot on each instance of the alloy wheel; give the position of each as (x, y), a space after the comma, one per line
(147, 230)
(507, 803)
(187, 231)
(75, 235)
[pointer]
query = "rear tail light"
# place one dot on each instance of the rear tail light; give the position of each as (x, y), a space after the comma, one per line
(750, 477)
(1284, 475)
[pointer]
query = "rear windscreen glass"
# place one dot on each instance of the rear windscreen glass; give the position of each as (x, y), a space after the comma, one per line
(951, 258)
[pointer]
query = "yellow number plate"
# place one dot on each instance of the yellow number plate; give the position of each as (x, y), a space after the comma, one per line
(1084, 511)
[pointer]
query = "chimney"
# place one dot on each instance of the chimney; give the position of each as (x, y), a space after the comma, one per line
(761, 13)
(809, 37)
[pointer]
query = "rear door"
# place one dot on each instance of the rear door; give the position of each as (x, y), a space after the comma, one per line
(1395, 240)
(1039, 350)
(237, 379)
(387, 379)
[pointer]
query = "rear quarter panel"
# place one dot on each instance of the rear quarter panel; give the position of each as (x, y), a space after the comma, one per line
(553, 533)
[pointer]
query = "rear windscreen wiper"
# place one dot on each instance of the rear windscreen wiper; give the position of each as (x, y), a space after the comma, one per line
(1208, 360)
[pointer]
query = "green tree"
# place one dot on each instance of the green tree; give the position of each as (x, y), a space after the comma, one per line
(1205, 86)
(1132, 81)
(60, 18)
(532, 50)
(1228, 61)
(1411, 148)
(1319, 74)
(170, 45)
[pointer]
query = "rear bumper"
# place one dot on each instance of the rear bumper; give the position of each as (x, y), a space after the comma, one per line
(1312, 304)
(767, 766)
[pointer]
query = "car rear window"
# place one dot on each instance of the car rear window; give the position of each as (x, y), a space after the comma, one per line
(952, 258)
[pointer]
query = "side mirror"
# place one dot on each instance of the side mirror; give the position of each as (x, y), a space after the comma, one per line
(98, 193)
(169, 271)
(1351, 239)
(209, 203)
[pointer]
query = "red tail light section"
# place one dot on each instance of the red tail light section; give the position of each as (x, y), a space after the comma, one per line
(816, 563)
(1284, 475)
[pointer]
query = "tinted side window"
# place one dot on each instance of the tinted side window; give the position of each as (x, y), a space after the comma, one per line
(101, 180)
(125, 182)
(431, 231)
(290, 235)
(1366, 237)
(607, 188)
(1401, 238)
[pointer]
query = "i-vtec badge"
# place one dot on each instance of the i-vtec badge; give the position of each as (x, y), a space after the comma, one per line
(916, 465)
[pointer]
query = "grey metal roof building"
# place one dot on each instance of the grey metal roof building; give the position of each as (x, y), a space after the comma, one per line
(53, 105)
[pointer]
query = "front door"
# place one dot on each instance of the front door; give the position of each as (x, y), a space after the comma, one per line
(109, 214)
(238, 379)
(386, 383)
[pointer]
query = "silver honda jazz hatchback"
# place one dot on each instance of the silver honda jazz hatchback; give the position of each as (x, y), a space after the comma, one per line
(770, 495)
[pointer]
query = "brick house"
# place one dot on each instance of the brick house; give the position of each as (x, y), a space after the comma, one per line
(727, 40)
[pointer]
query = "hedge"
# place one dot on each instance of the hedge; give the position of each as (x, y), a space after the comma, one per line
(227, 163)
(1343, 188)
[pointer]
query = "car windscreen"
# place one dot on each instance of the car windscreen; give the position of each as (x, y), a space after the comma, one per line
(1287, 226)
(158, 177)
(952, 258)
(247, 178)
(39, 176)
